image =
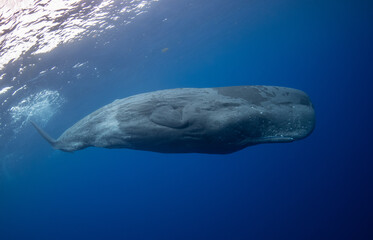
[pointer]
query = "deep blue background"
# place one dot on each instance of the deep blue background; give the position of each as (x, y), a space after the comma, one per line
(317, 188)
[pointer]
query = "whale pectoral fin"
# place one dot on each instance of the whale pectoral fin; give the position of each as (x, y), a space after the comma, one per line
(167, 116)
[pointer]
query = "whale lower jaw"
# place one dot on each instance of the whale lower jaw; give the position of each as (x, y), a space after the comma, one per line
(276, 139)
(270, 139)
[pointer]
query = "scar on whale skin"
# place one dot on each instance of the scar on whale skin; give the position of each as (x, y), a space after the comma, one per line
(194, 120)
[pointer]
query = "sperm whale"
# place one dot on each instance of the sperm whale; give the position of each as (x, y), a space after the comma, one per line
(194, 120)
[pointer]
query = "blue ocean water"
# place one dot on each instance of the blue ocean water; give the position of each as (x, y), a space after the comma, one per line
(61, 60)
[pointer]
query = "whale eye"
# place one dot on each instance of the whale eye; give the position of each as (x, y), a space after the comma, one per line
(304, 101)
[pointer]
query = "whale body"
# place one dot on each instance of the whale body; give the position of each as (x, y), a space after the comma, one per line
(194, 120)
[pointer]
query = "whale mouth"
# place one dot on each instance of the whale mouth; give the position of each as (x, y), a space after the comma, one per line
(269, 139)
(276, 139)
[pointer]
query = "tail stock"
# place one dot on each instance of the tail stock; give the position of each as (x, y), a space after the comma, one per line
(45, 135)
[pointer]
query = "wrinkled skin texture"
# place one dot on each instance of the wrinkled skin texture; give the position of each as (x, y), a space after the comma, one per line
(194, 120)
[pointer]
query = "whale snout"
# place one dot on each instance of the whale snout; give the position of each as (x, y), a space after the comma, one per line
(287, 119)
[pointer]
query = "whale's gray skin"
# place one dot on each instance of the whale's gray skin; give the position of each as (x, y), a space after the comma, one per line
(194, 120)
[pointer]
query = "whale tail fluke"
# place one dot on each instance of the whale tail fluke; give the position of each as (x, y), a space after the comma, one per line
(45, 135)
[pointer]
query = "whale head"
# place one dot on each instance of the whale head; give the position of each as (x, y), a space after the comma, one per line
(286, 115)
(274, 114)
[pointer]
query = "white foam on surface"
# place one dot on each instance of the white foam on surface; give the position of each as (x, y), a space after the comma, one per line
(40, 107)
